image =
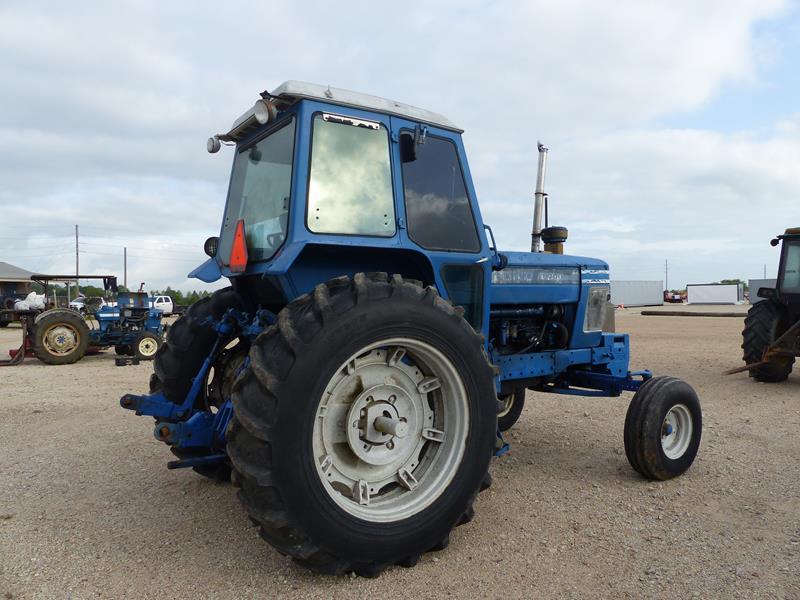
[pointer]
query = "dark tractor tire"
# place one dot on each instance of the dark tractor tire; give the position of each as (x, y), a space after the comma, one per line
(765, 322)
(189, 341)
(303, 425)
(123, 350)
(146, 345)
(4, 323)
(60, 337)
(180, 357)
(512, 405)
(663, 428)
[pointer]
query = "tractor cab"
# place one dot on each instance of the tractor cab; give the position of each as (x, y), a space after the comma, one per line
(325, 179)
(787, 290)
(328, 182)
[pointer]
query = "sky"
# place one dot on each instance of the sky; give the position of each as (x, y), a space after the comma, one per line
(673, 127)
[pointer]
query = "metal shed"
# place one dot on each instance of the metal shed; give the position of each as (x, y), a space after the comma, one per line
(715, 293)
(14, 280)
(637, 293)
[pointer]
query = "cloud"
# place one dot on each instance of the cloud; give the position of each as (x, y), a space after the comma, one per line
(108, 106)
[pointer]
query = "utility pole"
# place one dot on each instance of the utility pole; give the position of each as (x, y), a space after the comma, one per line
(666, 275)
(125, 266)
(77, 266)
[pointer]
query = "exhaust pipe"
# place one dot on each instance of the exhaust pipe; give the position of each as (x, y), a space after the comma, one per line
(538, 202)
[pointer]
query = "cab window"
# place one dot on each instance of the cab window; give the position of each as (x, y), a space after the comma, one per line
(790, 283)
(350, 185)
(437, 205)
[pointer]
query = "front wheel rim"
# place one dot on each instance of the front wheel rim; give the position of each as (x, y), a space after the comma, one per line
(148, 346)
(391, 429)
(676, 431)
(508, 402)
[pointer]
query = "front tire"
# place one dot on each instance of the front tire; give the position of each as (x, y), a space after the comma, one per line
(146, 345)
(663, 428)
(765, 322)
(364, 425)
(511, 410)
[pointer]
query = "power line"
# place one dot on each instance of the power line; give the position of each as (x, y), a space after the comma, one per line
(167, 245)
(41, 255)
(144, 257)
(17, 250)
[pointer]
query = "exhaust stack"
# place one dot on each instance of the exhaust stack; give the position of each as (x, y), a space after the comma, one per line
(539, 198)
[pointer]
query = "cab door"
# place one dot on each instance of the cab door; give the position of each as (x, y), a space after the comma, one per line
(439, 214)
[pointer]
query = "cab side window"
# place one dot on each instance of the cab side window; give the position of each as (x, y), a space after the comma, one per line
(350, 186)
(791, 269)
(437, 205)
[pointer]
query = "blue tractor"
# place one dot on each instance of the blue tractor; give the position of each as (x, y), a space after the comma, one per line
(62, 336)
(133, 326)
(353, 379)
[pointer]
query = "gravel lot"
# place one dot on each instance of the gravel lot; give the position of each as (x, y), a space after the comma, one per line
(88, 509)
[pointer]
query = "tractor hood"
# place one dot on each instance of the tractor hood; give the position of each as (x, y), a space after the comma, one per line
(557, 278)
(544, 259)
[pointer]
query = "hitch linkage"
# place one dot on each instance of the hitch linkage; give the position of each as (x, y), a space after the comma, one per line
(186, 425)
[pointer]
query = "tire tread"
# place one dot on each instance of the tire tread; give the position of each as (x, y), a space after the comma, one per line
(264, 379)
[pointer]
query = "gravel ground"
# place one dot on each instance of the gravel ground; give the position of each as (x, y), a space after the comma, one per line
(87, 507)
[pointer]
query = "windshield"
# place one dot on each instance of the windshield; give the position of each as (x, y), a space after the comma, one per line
(259, 194)
(790, 282)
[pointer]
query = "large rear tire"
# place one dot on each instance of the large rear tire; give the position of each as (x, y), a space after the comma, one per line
(364, 425)
(60, 337)
(765, 322)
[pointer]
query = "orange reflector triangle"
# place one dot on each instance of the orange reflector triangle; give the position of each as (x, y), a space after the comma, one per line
(238, 260)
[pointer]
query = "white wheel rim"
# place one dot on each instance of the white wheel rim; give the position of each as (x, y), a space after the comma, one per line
(508, 402)
(391, 429)
(676, 431)
(147, 346)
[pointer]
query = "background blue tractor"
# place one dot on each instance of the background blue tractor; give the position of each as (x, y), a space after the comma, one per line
(349, 380)
(133, 326)
(60, 336)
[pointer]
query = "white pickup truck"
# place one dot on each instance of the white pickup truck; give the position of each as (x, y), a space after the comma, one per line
(164, 304)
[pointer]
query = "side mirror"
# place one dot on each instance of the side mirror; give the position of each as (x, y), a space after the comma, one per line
(774, 242)
(767, 293)
(408, 148)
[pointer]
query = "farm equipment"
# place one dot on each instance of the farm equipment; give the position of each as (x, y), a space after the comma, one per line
(59, 336)
(349, 380)
(771, 335)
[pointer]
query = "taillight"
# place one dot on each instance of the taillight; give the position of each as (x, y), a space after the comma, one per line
(238, 260)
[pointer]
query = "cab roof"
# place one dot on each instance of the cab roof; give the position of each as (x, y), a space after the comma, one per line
(292, 91)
